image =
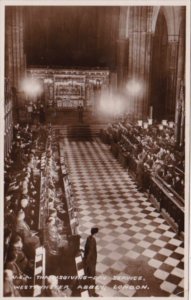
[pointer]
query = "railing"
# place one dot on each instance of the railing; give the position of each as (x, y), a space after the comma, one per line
(73, 218)
(72, 213)
(166, 198)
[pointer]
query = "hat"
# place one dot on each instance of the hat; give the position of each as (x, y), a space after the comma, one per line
(94, 230)
(24, 202)
(52, 280)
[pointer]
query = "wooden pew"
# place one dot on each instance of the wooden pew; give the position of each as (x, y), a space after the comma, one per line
(39, 271)
(168, 201)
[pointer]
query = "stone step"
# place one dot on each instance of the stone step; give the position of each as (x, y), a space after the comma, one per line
(79, 129)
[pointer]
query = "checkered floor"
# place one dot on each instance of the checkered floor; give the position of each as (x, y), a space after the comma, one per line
(138, 253)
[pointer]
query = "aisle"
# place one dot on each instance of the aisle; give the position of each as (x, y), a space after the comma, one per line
(138, 253)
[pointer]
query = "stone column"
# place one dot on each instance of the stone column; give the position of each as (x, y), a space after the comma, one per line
(140, 45)
(21, 42)
(182, 123)
(178, 114)
(9, 66)
(122, 62)
(139, 61)
(172, 62)
(15, 45)
(179, 129)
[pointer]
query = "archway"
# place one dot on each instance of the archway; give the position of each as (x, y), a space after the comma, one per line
(159, 68)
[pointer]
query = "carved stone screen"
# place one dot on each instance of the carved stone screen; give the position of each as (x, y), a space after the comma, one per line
(68, 88)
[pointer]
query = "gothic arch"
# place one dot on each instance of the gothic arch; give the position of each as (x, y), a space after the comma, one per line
(165, 70)
(173, 16)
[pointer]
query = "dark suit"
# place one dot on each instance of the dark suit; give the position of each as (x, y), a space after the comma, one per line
(140, 173)
(90, 259)
(90, 256)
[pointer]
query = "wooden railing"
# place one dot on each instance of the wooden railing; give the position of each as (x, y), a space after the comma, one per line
(167, 199)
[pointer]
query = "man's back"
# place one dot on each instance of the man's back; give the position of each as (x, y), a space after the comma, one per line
(90, 253)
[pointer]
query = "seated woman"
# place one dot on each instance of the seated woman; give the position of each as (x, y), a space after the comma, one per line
(59, 223)
(19, 277)
(22, 261)
(31, 241)
(54, 240)
(28, 210)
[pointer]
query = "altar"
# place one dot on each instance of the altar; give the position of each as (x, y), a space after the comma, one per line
(68, 88)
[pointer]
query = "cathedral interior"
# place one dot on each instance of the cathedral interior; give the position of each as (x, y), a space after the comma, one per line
(94, 137)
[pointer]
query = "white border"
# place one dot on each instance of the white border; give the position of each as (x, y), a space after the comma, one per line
(1, 141)
(95, 2)
(186, 3)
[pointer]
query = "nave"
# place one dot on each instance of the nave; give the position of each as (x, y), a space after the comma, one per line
(133, 239)
(95, 130)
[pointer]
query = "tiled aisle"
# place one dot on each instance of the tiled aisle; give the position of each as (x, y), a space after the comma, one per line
(138, 253)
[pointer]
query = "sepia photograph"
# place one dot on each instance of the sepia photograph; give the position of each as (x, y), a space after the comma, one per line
(95, 149)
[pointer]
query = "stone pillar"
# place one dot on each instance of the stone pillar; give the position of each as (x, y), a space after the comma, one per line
(21, 43)
(14, 47)
(172, 59)
(178, 114)
(182, 123)
(122, 62)
(14, 68)
(9, 70)
(14, 53)
(15, 57)
(139, 61)
(179, 118)
(140, 45)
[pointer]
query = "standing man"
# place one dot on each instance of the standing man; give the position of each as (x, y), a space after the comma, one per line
(80, 113)
(90, 259)
(42, 115)
(30, 112)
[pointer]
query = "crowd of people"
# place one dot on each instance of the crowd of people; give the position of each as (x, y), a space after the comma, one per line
(53, 217)
(36, 112)
(29, 203)
(35, 212)
(153, 148)
(21, 189)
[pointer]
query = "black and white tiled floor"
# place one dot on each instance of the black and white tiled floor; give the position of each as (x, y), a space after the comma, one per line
(138, 253)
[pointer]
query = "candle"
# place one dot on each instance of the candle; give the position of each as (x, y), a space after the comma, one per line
(140, 123)
(151, 112)
(145, 125)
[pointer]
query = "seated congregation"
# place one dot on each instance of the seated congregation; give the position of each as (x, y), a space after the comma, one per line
(35, 216)
(154, 159)
(38, 195)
